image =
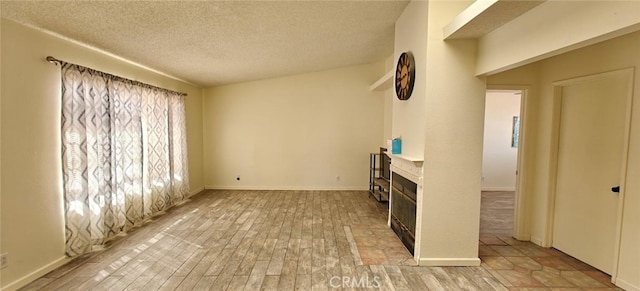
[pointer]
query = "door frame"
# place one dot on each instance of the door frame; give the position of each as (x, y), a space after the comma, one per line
(627, 73)
(520, 223)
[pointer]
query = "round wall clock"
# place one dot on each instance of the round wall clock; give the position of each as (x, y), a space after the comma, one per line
(405, 75)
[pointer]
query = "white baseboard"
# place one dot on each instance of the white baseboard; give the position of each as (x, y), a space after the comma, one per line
(522, 237)
(538, 241)
(17, 284)
(196, 191)
(498, 189)
(287, 188)
(449, 262)
(626, 285)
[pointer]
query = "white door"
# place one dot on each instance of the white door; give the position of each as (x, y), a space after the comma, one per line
(590, 148)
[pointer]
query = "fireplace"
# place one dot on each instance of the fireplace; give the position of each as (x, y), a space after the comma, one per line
(403, 209)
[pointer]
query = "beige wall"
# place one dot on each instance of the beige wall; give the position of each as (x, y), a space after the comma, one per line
(442, 122)
(32, 203)
(454, 111)
(308, 131)
(389, 96)
(499, 159)
(618, 53)
(408, 118)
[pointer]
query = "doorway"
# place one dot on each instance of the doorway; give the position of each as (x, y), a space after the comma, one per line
(592, 129)
(501, 150)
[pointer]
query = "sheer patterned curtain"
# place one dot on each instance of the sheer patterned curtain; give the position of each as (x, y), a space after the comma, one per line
(124, 154)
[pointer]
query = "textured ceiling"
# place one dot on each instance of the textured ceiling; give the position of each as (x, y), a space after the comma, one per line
(214, 43)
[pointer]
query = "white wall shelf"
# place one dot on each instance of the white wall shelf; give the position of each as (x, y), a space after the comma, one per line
(383, 83)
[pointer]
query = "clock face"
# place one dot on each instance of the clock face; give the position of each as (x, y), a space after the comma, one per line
(405, 75)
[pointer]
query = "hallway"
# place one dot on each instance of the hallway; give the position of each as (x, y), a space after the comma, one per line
(524, 264)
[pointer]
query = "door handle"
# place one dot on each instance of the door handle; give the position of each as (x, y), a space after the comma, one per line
(615, 189)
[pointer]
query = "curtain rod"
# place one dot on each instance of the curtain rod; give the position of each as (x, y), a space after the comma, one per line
(54, 60)
(57, 62)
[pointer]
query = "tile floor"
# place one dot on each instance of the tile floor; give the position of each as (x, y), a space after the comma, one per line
(522, 265)
(378, 246)
(302, 240)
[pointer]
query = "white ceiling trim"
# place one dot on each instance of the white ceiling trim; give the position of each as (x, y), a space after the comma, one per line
(483, 16)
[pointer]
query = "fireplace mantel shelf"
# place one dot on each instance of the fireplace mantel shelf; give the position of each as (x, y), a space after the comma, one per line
(416, 161)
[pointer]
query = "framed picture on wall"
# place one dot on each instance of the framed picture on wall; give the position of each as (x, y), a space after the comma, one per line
(515, 132)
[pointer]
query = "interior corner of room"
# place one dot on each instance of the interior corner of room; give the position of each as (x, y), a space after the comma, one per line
(504, 102)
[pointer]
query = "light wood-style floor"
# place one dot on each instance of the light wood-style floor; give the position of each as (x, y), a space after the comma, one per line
(304, 240)
(496, 214)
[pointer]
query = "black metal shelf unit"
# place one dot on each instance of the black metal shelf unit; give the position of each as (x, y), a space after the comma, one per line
(378, 176)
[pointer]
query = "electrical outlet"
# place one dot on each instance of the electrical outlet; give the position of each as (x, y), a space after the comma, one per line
(4, 260)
